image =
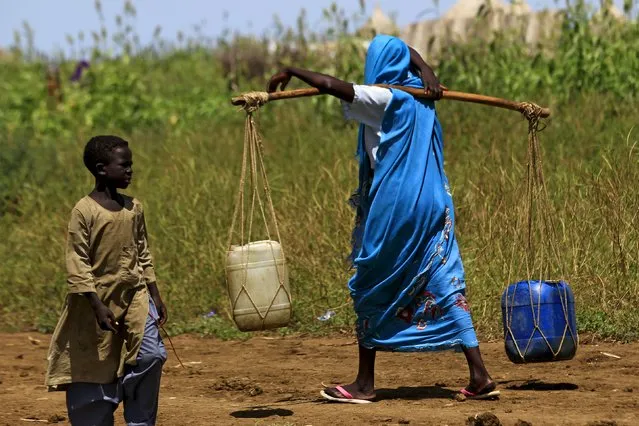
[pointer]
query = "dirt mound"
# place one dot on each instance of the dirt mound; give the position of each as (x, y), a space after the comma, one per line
(238, 384)
(483, 419)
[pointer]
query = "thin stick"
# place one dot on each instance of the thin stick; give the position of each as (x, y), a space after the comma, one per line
(419, 93)
(172, 347)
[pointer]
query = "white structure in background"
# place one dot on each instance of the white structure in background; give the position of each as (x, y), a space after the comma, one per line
(380, 23)
(612, 11)
(460, 24)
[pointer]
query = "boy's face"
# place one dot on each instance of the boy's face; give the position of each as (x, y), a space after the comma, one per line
(119, 170)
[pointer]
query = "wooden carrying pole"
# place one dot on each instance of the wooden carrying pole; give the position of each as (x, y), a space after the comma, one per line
(418, 93)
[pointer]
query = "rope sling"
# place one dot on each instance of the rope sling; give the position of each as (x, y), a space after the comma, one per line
(541, 252)
(535, 199)
(253, 172)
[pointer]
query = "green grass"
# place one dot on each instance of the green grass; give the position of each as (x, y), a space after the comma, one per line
(173, 106)
(188, 182)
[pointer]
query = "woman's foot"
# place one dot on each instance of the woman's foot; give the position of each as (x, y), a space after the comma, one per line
(484, 390)
(479, 387)
(363, 389)
(353, 391)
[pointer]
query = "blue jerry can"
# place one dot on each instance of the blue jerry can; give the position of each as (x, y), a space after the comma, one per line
(539, 321)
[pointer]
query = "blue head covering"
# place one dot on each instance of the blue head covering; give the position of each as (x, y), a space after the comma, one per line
(388, 62)
(404, 242)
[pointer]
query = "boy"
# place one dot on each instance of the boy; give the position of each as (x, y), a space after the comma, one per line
(106, 347)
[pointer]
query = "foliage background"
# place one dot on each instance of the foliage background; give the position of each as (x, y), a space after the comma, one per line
(171, 100)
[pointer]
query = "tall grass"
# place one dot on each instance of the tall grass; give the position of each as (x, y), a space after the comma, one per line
(173, 107)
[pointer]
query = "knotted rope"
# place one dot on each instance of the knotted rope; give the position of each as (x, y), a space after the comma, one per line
(252, 101)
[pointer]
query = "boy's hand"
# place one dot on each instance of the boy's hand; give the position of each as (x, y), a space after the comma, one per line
(161, 308)
(159, 304)
(103, 315)
(106, 319)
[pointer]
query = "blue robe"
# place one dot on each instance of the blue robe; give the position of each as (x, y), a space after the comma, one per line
(409, 285)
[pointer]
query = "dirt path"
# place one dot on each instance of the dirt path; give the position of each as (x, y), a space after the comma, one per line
(276, 381)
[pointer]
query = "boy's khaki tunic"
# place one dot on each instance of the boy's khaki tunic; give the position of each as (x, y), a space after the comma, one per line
(107, 253)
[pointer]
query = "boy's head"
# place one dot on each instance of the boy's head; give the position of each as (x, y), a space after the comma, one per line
(387, 61)
(109, 159)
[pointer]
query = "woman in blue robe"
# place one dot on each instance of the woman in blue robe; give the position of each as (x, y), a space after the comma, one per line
(409, 286)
